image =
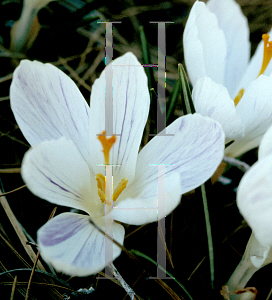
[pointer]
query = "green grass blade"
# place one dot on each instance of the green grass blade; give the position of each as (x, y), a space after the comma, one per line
(209, 232)
(172, 100)
(136, 252)
(186, 95)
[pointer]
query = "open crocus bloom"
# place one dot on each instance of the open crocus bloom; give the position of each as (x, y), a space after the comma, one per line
(227, 86)
(66, 164)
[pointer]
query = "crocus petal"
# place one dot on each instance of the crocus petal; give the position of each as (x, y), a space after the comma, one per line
(212, 100)
(48, 105)
(195, 151)
(235, 26)
(130, 111)
(204, 43)
(255, 108)
(266, 144)
(254, 67)
(56, 172)
(255, 203)
(146, 204)
(72, 245)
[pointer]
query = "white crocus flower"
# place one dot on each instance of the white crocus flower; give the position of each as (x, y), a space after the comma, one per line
(227, 86)
(63, 164)
(254, 194)
(254, 200)
(26, 29)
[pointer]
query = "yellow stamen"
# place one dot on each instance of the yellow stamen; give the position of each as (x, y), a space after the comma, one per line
(267, 53)
(100, 182)
(101, 195)
(239, 96)
(121, 186)
(100, 179)
(101, 188)
(106, 144)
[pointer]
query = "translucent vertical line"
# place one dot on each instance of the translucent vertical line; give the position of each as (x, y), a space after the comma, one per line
(109, 221)
(161, 244)
(161, 211)
(161, 109)
(108, 74)
(161, 85)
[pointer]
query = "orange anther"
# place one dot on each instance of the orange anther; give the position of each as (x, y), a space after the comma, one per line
(239, 96)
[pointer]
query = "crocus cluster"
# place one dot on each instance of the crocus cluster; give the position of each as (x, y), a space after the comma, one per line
(70, 149)
(236, 91)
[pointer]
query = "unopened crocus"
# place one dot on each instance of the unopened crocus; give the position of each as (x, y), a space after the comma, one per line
(254, 194)
(254, 200)
(66, 164)
(228, 86)
(25, 30)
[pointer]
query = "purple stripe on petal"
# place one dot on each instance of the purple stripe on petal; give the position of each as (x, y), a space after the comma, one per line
(72, 245)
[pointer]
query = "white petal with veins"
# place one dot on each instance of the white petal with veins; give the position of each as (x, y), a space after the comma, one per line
(56, 172)
(236, 31)
(195, 151)
(130, 111)
(212, 100)
(205, 47)
(148, 204)
(255, 108)
(48, 105)
(72, 245)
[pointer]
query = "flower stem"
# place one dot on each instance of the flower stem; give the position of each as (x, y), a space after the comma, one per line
(255, 257)
(121, 280)
(209, 233)
(236, 163)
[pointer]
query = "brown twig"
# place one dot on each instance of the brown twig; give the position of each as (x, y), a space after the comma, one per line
(5, 78)
(134, 231)
(196, 268)
(15, 251)
(122, 282)
(13, 288)
(165, 247)
(74, 74)
(19, 231)
(15, 190)
(10, 171)
(134, 258)
(35, 263)
(20, 283)
(4, 98)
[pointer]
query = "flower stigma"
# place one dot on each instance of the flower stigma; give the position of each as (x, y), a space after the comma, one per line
(101, 179)
(267, 55)
(106, 144)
